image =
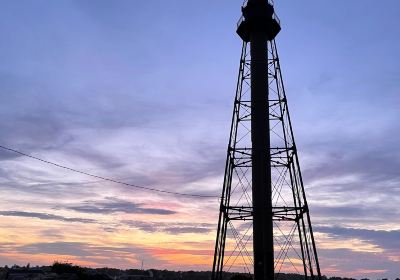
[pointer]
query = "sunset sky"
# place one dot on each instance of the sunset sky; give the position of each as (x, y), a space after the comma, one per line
(142, 92)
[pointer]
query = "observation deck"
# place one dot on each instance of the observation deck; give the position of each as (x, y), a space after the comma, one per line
(258, 16)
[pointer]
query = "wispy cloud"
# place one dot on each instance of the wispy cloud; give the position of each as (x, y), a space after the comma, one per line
(388, 240)
(45, 216)
(116, 205)
(170, 228)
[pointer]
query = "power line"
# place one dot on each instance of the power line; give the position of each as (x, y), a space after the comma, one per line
(105, 178)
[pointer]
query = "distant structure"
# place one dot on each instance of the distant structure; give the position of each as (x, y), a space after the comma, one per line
(264, 221)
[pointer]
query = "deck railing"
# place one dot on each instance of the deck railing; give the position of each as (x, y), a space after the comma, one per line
(274, 16)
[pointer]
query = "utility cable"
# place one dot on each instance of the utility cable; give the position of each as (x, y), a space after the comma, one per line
(105, 178)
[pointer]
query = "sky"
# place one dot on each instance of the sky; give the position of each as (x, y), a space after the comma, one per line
(142, 92)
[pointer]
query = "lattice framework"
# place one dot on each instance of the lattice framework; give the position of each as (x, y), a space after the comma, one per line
(294, 245)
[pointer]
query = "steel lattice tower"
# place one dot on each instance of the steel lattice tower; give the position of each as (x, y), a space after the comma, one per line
(264, 222)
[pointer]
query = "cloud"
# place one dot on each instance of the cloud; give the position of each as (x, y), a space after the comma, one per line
(45, 216)
(356, 213)
(116, 205)
(34, 185)
(388, 240)
(78, 249)
(6, 155)
(374, 164)
(186, 229)
(59, 248)
(119, 255)
(171, 228)
(347, 263)
(354, 178)
(126, 255)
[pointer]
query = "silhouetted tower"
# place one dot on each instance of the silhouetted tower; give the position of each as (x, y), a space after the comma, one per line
(264, 222)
